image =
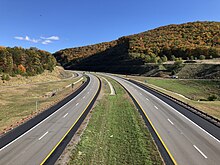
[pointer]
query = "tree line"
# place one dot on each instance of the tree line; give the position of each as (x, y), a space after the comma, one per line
(26, 62)
(189, 41)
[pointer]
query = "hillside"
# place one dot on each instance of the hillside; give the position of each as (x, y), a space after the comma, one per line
(26, 62)
(187, 41)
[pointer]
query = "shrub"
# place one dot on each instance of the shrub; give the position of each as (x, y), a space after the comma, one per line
(202, 57)
(159, 61)
(173, 58)
(212, 97)
(178, 62)
(164, 58)
(173, 72)
(5, 77)
(147, 59)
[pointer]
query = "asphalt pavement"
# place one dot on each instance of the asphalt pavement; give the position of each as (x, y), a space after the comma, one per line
(185, 141)
(36, 144)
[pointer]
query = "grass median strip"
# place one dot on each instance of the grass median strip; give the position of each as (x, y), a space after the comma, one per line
(116, 134)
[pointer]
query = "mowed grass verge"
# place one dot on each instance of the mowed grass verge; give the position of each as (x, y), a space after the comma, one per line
(192, 89)
(18, 104)
(116, 134)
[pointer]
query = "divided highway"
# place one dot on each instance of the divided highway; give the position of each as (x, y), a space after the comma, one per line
(38, 143)
(185, 141)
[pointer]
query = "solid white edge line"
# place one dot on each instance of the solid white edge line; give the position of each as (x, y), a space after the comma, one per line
(110, 86)
(43, 135)
(170, 121)
(65, 115)
(176, 111)
(44, 119)
(200, 151)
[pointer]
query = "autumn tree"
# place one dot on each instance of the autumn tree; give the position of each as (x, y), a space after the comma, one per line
(31, 61)
(21, 68)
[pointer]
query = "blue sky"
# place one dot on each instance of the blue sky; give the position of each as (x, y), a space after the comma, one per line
(56, 24)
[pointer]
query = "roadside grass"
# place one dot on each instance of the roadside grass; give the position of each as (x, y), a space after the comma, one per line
(193, 89)
(18, 103)
(116, 134)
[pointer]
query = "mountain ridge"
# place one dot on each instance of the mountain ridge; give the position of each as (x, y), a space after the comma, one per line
(187, 41)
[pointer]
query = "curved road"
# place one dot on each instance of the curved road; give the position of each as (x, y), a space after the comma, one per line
(186, 142)
(112, 93)
(36, 144)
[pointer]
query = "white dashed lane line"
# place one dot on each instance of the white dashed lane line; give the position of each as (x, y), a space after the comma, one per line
(65, 115)
(155, 107)
(77, 104)
(43, 135)
(200, 151)
(170, 121)
(180, 114)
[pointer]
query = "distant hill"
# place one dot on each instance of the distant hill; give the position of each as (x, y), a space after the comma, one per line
(27, 62)
(192, 40)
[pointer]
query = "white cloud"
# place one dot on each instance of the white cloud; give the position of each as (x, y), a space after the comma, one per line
(42, 40)
(51, 38)
(45, 42)
(26, 38)
(19, 38)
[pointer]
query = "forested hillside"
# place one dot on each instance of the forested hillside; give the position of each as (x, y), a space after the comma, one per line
(189, 41)
(26, 62)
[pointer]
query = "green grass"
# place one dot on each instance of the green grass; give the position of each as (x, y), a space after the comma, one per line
(116, 134)
(192, 89)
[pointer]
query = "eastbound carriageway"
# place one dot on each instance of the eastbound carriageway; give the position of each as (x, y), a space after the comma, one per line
(182, 137)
